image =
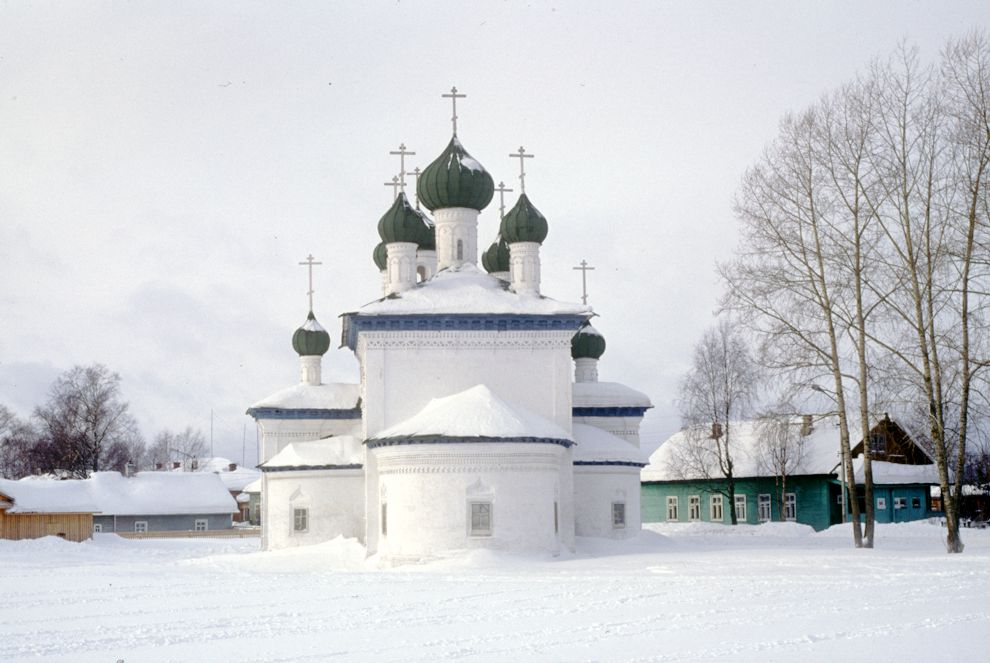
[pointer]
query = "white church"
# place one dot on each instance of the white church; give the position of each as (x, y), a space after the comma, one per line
(478, 420)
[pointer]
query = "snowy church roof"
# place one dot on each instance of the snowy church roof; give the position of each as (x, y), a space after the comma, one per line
(476, 413)
(332, 452)
(594, 445)
(607, 394)
(302, 396)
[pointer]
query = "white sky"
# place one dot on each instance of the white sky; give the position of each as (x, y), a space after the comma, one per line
(164, 166)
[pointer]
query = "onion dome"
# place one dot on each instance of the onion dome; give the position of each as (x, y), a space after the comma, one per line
(380, 256)
(311, 338)
(588, 343)
(401, 223)
(524, 223)
(496, 257)
(455, 179)
(428, 236)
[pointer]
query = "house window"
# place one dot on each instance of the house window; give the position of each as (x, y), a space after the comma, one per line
(618, 515)
(900, 503)
(740, 502)
(715, 508)
(763, 507)
(141, 526)
(878, 445)
(300, 520)
(384, 518)
(915, 502)
(882, 504)
(481, 518)
(790, 506)
(201, 525)
(671, 508)
(694, 508)
(97, 528)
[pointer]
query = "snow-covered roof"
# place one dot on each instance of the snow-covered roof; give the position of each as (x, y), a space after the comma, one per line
(475, 412)
(253, 487)
(596, 445)
(110, 493)
(817, 452)
(302, 396)
(466, 290)
(607, 394)
(234, 480)
(71, 496)
(885, 473)
(337, 450)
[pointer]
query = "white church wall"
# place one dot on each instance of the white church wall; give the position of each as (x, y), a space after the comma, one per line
(403, 371)
(276, 434)
(428, 491)
(596, 489)
(625, 427)
(334, 500)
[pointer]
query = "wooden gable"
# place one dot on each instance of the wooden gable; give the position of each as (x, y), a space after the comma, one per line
(891, 443)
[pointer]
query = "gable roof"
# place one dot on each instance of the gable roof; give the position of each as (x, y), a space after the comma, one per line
(44, 496)
(594, 445)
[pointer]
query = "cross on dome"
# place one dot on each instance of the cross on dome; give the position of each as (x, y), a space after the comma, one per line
(502, 190)
(396, 185)
(454, 96)
(584, 268)
(309, 262)
(416, 172)
(522, 156)
(402, 154)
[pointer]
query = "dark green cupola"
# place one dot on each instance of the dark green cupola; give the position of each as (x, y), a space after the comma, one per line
(401, 223)
(455, 179)
(380, 255)
(524, 223)
(311, 339)
(496, 257)
(588, 343)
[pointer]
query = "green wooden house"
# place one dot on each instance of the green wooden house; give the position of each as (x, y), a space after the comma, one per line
(786, 472)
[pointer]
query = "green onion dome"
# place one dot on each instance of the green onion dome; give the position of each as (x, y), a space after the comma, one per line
(311, 338)
(588, 343)
(401, 223)
(496, 257)
(524, 223)
(428, 234)
(380, 256)
(455, 179)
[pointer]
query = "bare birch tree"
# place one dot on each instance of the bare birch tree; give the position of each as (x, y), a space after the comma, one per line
(779, 449)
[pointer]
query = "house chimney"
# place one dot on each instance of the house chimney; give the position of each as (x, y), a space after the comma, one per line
(716, 430)
(232, 467)
(806, 425)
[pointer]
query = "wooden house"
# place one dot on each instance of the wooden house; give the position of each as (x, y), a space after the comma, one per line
(32, 509)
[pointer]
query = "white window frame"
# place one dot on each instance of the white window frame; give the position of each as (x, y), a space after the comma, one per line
(764, 508)
(97, 528)
(716, 508)
(141, 526)
(740, 501)
(694, 507)
(881, 504)
(298, 511)
(477, 516)
(201, 525)
(672, 508)
(618, 515)
(790, 506)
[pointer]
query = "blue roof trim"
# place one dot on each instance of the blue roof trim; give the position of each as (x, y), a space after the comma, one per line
(636, 411)
(622, 463)
(355, 323)
(444, 439)
(302, 413)
(303, 468)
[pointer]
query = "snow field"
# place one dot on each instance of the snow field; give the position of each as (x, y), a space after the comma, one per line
(688, 592)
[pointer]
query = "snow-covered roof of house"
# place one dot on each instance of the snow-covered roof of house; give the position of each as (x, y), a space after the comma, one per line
(302, 396)
(341, 450)
(594, 445)
(253, 487)
(817, 452)
(885, 473)
(466, 290)
(608, 394)
(110, 493)
(70, 496)
(235, 479)
(475, 412)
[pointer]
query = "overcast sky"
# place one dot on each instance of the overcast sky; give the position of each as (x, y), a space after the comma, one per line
(165, 166)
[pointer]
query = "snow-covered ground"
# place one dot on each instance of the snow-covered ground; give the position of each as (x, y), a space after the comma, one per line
(694, 592)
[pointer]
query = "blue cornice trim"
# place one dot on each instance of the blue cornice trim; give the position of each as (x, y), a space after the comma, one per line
(443, 439)
(355, 323)
(303, 468)
(637, 411)
(622, 463)
(302, 413)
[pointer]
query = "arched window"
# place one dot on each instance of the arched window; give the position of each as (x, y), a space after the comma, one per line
(460, 249)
